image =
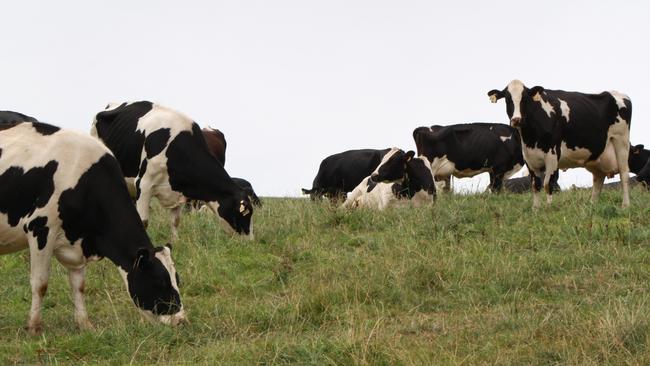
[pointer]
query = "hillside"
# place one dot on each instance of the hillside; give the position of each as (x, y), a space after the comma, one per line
(476, 279)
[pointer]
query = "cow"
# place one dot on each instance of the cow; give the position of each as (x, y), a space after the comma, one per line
(465, 150)
(563, 130)
(340, 173)
(62, 194)
(398, 176)
(216, 142)
(164, 154)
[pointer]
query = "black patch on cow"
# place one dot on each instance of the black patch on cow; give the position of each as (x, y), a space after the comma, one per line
(117, 128)
(22, 192)
(39, 229)
(44, 128)
(143, 169)
(9, 119)
(98, 210)
(371, 185)
(156, 142)
(0, 153)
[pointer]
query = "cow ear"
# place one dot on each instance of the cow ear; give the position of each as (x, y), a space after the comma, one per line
(495, 95)
(409, 155)
(534, 91)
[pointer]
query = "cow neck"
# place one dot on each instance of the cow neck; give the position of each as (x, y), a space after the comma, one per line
(122, 238)
(538, 129)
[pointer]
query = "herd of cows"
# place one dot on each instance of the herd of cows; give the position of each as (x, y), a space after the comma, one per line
(63, 193)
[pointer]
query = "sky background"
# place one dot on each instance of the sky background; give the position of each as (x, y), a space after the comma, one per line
(291, 82)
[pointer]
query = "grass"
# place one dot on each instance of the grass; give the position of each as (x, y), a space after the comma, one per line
(475, 279)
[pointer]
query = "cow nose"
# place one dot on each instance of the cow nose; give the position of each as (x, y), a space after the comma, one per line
(179, 320)
(515, 121)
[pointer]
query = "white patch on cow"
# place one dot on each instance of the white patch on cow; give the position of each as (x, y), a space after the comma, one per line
(619, 98)
(534, 157)
(516, 90)
(573, 158)
(504, 138)
(564, 107)
(546, 106)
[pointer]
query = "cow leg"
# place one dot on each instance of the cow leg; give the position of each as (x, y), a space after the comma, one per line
(622, 151)
(496, 182)
(175, 221)
(535, 186)
(549, 182)
(39, 274)
(598, 180)
(143, 201)
(76, 278)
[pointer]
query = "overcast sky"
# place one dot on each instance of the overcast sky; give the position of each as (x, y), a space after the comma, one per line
(290, 82)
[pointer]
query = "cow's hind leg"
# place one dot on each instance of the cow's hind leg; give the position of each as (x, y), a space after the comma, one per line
(39, 274)
(598, 180)
(622, 151)
(144, 199)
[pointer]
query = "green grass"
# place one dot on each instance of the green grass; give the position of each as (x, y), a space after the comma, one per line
(478, 279)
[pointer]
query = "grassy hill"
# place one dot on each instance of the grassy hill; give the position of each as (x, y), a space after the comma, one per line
(478, 279)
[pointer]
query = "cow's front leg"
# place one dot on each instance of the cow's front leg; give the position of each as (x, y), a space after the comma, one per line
(598, 180)
(535, 186)
(76, 278)
(143, 201)
(496, 182)
(39, 275)
(551, 163)
(549, 181)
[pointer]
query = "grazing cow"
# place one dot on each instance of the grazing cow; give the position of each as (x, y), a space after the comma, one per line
(562, 130)
(165, 154)
(216, 142)
(340, 173)
(62, 194)
(465, 150)
(398, 176)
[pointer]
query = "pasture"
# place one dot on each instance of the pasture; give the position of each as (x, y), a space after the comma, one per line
(474, 279)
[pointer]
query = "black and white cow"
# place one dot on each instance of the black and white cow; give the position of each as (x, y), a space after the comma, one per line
(164, 154)
(465, 150)
(639, 163)
(62, 194)
(248, 188)
(340, 173)
(523, 185)
(399, 176)
(562, 130)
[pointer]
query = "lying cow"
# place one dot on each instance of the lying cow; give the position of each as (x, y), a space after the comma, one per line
(465, 150)
(523, 184)
(398, 176)
(639, 162)
(165, 154)
(340, 173)
(62, 194)
(562, 130)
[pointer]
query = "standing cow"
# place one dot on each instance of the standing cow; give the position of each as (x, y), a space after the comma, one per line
(562, 130)
(62, 194)
(165, 154)
(340, 173)
(465, 150)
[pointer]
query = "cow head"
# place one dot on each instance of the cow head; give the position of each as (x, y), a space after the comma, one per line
(420, 176)
(235, 213)
(518, 97)
(392, 166)
(153, 285)
(638, 158)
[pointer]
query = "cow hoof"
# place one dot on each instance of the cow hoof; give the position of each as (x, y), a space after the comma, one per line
(85, 325)
(34, 329)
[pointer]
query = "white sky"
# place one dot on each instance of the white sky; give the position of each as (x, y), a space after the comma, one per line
(290, 82)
